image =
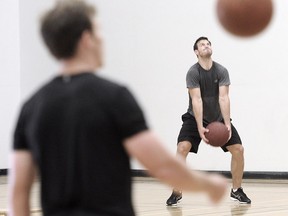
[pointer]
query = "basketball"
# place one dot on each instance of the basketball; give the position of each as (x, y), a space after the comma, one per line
(244, 17)
(218, 134)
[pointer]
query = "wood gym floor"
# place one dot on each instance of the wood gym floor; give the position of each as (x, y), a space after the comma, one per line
(269, 198)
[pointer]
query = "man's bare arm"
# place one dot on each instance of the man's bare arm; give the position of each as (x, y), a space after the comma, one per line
(21, 177)
(224, 102)
(197, 107)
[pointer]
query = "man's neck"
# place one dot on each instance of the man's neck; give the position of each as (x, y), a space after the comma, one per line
(74, 66)
(205, 63)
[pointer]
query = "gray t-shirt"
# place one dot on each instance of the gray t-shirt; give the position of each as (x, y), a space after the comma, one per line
(208, 81)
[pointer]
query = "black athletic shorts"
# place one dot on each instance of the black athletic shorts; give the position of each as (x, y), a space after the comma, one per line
(189, 132)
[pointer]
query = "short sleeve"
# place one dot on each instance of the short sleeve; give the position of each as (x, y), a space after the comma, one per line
(224, 79)
(193, 78)
(128, 114)
(19, 139)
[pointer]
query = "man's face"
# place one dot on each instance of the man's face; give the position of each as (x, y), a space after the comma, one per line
(204, 49)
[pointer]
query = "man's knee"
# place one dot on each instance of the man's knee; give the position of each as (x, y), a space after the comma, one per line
(184, 147)
(236, 149)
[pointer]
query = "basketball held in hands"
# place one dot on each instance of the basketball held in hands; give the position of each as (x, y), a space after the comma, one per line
(218, 134)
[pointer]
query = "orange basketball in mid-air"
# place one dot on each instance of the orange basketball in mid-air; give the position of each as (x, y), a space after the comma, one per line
(244, 17)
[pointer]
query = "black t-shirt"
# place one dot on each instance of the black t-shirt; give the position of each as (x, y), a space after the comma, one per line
(209, 82)
(74, 126)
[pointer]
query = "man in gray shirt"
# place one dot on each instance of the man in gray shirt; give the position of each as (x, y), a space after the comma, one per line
(208, 86)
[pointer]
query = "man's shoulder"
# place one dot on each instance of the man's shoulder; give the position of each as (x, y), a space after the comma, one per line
(219, 66)
(194, 68)
(109, 83)
(90, 82)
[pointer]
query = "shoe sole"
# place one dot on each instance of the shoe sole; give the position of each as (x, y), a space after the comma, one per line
(234, 199)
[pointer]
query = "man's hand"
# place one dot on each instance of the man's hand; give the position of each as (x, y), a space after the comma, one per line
(230, 131)
(202, 131)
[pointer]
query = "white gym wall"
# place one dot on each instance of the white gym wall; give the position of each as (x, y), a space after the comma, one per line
(148, 46)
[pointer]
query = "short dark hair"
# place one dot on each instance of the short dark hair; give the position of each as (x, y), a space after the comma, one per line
(63, 25)
(195, 47)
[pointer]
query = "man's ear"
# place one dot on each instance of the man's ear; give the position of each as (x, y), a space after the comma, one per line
(85, 39)
(196, 52)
